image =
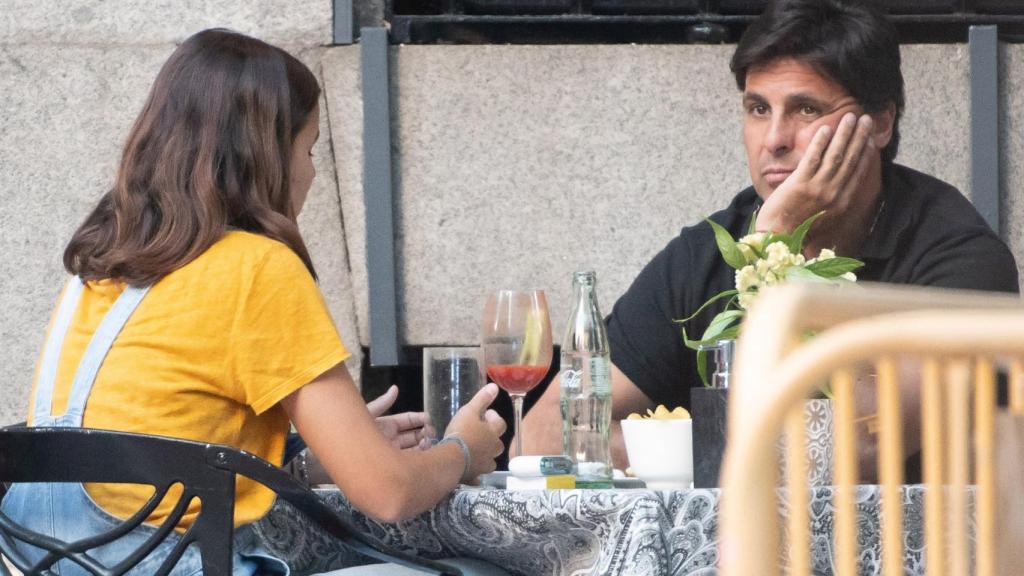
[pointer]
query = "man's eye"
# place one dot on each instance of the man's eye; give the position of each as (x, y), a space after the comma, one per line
(758, 110)
(808, 110)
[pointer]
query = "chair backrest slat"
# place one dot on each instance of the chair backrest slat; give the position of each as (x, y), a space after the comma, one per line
(933, 464)
(958, 407)
(845, 474)
(890, 466)
(798, 496)
(1017, 387)
(158, 536)
(984, 466)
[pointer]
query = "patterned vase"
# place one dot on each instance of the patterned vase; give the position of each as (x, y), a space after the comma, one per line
(819, 425)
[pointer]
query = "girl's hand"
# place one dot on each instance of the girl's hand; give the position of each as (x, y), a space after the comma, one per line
(481, 429)
(405, 430)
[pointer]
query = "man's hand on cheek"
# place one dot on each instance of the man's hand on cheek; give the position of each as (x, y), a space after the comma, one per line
(827, 178)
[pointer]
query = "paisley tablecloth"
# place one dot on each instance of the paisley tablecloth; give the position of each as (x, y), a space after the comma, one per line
(580, 532)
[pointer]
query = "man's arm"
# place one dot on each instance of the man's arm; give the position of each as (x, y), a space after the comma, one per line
(542, 426)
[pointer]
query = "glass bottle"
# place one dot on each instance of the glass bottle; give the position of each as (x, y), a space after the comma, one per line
(586, 394)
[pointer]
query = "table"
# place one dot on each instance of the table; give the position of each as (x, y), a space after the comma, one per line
(580, 532)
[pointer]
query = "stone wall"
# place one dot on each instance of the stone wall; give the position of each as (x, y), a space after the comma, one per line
(514, 165)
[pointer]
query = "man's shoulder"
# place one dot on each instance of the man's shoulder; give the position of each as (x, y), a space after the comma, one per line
(942, 239)
(921, 187)
(934, 201)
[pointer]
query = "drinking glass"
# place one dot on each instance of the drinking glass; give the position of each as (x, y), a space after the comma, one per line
(515, 336)
(451, 376)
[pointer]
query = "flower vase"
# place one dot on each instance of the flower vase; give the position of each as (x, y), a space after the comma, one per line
(818, 420)
(709, 432)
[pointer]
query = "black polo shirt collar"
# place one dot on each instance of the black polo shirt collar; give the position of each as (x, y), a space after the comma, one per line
(892, 220)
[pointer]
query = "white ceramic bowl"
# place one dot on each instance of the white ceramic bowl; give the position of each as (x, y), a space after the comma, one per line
(660, 452)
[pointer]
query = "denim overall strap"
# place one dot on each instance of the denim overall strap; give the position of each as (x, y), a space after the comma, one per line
(51, 353)
(96, 352)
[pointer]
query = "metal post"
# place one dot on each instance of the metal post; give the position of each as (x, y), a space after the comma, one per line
(377, 192)
(343, 21)
(984, 48)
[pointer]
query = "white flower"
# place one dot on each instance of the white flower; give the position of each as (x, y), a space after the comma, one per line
(755, 240)
(778, 251)
(826, 254)
(849, 276)
(748, 253)
(747, 278)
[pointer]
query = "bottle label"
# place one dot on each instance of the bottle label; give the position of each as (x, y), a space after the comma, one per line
(600, 375)
(571, 379)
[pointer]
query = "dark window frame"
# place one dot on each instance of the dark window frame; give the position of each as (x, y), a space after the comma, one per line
(676, 21)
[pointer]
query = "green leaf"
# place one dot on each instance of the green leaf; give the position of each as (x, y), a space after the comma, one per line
(834, 267)
(727, 246)
(752, 226)
(710, 301)
(702, 367)
(720, 322)
(802, 274)
(727, 334)
(796, 240)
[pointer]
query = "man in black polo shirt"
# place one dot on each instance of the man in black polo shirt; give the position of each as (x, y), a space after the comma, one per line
(822, 97)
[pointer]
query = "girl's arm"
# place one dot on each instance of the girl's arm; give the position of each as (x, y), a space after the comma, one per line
(382, 481)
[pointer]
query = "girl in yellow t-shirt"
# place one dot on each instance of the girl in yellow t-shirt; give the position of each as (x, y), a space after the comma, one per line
(213, 327)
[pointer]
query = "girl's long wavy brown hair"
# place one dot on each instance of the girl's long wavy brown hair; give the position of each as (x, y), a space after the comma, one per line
(210, 151)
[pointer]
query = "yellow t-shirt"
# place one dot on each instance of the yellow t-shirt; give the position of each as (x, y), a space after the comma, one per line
(208, 355)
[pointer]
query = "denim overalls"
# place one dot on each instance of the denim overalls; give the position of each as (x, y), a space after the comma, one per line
(65, 510)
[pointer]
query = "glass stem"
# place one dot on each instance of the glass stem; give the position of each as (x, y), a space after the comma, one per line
(517, 428)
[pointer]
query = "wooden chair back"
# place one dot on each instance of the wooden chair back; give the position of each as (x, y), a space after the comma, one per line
(955, 342)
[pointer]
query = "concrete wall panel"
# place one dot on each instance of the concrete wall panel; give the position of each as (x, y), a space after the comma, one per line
(342, 85)
(936, 127)
(522, 164)
(1012, 141)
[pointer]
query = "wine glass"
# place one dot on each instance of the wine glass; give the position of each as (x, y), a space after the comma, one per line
(515, 336)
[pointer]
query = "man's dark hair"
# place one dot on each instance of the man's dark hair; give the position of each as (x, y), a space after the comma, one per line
(851, 42)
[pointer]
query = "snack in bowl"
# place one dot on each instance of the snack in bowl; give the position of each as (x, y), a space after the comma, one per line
(660, 447)
(662, 413)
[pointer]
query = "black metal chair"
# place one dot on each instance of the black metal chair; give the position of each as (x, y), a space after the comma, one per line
(204, 471)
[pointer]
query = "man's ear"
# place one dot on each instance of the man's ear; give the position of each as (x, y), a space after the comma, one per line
(883, 121)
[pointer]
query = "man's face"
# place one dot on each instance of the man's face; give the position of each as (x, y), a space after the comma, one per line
(784, 103)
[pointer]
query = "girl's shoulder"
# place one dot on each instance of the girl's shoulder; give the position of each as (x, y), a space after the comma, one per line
(244, 257)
